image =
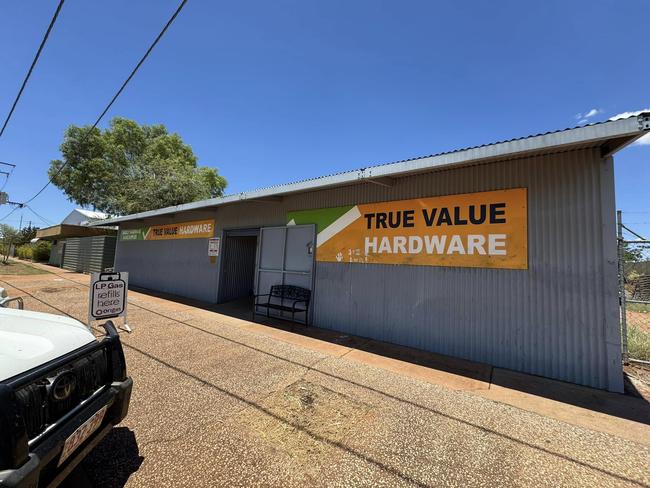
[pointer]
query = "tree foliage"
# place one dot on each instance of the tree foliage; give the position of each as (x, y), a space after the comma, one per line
(26, 234)
(131, 168)
(634, 253)
(8, 238)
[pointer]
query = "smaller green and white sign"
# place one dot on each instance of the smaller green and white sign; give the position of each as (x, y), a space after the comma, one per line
(196, 229)
(133, 234)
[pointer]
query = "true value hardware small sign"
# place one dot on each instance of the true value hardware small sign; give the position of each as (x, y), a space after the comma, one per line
(108, 293)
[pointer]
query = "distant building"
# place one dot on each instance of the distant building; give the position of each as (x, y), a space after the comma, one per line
(78, 247)
(80, 216)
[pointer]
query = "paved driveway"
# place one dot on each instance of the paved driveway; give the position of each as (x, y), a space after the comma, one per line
(216, 403)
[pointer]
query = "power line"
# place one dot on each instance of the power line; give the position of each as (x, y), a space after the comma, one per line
(22, 206)
(11, 171)
(31, 68)
(10, 213)
(117, 94)
(39, 216)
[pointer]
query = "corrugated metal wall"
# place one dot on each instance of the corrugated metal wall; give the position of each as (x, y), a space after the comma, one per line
(238, 273)
(547, 320)
(102, 253)
(180, 267)
(72, 256)
(56, 254)
(89, 254)
(556, 319)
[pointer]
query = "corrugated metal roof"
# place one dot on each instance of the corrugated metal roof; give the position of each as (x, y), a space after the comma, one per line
(92, 214)
(624, 131)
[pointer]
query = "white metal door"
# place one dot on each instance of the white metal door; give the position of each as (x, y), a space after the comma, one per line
(285, 256)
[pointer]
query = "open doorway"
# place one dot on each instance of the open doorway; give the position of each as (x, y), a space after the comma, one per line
(237, 281)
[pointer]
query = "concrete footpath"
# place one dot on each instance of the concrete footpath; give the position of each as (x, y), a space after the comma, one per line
(222, 401)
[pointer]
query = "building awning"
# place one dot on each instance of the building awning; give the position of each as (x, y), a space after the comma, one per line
(610, 137)
(63, 231)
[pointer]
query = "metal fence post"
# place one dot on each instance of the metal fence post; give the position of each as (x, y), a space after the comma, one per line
(621, 284)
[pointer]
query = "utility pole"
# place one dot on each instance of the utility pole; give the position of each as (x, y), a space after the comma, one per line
(621, 283)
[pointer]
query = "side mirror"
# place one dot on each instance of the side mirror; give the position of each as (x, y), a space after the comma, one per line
(3, 293)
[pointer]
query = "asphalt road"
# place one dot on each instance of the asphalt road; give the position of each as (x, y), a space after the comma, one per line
(215, 404)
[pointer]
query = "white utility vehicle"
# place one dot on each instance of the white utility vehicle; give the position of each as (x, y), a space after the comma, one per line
(61, 391)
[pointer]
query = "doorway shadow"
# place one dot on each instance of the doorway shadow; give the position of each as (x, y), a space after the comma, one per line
(631, 405)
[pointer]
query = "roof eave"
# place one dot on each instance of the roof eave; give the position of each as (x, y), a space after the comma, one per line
(63, 231)
(632, 128)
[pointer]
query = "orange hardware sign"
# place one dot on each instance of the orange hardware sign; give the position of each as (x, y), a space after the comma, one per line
(182, 230)
(477, 230)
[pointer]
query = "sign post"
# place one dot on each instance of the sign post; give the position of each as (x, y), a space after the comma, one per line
(108, 296)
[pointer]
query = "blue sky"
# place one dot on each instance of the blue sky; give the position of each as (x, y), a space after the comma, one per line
(271, 92)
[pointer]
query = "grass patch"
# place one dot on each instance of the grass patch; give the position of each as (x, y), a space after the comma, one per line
(638, 343)
(14, 268)
(638, 307)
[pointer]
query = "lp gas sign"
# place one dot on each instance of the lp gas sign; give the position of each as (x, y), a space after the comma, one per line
(108, 295)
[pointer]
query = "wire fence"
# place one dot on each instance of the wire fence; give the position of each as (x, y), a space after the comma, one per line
(634, 293)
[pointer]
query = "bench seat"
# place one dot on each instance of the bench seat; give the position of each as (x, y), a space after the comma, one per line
(298, 299)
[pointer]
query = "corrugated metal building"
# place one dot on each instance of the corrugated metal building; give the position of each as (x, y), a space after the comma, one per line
(518, 269)
(89, 254)
(75, 236)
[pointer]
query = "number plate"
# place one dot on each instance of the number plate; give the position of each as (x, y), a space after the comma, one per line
(81, 434)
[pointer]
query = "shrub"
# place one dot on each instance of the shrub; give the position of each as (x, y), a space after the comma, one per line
(41, 251)
(638, 343)
(24, 251)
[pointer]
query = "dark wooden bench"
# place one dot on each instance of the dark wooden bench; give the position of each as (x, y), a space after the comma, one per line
(285, 298)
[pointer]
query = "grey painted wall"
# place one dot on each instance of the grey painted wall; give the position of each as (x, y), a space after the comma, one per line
(180, 267)
(556, 319)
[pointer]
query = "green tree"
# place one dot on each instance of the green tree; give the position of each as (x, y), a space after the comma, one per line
(8, 238)
(26, 234)
(633, 253)
(131, 168)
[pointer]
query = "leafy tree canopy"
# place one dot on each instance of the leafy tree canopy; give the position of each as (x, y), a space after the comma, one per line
(634, 253)
(131, 168)
(26, 234)
(8, 237)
